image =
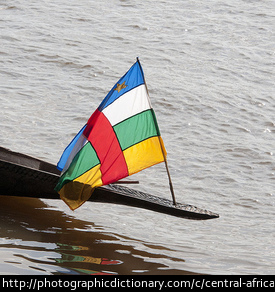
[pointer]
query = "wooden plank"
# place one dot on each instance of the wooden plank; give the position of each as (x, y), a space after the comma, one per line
(22, 175)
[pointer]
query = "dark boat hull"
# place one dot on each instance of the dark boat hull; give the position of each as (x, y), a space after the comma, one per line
(22, 175)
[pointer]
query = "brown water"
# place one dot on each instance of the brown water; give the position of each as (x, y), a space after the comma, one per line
(209, 67)
(43, 241)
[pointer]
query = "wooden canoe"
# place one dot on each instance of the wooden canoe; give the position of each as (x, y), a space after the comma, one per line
(26, 176)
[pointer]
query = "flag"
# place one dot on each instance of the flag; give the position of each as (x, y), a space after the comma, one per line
(121, 138)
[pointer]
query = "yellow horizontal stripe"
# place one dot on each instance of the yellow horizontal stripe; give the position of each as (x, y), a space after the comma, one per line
(144, 154)
(91, 177)
(78, 191)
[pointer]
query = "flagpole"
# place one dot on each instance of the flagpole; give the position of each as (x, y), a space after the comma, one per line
(163, 153)
(170, 180)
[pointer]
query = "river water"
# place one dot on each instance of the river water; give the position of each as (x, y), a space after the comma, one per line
(209, 67)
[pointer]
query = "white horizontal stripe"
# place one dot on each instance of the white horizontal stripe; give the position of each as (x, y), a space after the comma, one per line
(127, 105)
(78, 145)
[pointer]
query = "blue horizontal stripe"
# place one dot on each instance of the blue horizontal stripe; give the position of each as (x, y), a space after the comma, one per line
(133, 78)
(63, 159)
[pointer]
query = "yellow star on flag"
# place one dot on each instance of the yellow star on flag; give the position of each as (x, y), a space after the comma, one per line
(120, 86)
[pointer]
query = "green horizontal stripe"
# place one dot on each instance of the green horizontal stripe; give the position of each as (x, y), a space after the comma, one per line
(136, 129)
(84, 160)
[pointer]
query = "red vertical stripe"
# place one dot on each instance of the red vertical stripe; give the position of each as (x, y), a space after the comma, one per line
(103, 138)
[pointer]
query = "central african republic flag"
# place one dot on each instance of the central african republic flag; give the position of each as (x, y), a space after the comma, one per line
(120, 138)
